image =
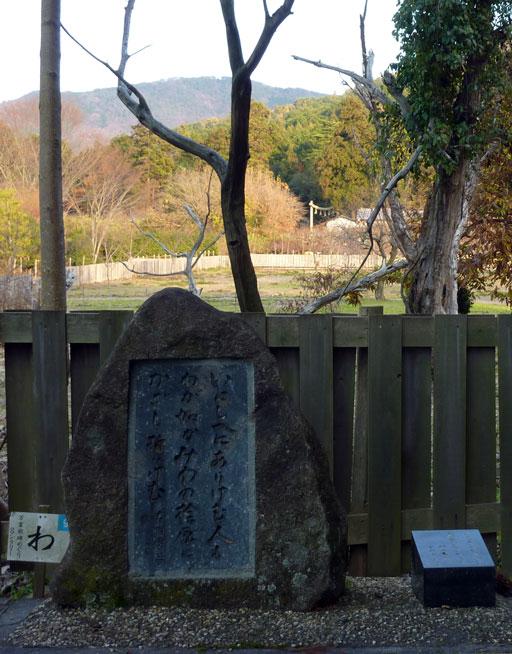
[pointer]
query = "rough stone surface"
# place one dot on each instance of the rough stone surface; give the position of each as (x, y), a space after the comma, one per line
(300, 544)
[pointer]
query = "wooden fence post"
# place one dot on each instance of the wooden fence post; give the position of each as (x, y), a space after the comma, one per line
(50, 390)
(344, 363)
(22, 427)
(449, 447)
(112, 325)
(505, 421)
(481, 417)
(359, 501)
(384, 445)
(416, 425)
(316, 367)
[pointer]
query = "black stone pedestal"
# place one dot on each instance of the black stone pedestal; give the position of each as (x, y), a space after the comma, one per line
(452, 568)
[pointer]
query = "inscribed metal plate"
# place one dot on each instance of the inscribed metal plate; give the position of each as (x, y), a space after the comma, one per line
(191, 469)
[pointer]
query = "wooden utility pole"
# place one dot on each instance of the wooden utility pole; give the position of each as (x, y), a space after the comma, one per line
(53, 266)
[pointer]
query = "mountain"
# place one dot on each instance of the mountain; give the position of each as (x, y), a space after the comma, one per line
(173, 101)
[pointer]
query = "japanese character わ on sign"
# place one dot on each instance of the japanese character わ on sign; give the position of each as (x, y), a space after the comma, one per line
(37, 537)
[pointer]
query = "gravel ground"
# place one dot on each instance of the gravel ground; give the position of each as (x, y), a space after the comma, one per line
(374, 612)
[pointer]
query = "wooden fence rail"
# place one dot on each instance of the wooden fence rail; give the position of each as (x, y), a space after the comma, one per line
(415, 414)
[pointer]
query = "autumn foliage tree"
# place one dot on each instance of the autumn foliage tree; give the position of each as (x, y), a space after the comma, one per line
(486, 249)
(103, 194)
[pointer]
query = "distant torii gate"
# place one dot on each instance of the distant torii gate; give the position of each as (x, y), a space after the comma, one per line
(321, 211)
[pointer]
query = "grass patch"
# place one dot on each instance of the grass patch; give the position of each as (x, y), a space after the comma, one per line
(276, 288)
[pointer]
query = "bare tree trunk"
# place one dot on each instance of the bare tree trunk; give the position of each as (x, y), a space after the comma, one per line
(53, 265)
(233, 198)
(434, 275)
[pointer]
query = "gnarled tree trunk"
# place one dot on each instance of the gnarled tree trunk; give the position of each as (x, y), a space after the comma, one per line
(434, 275)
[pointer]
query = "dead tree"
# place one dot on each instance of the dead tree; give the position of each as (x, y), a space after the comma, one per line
(191, 256)
(231, 172)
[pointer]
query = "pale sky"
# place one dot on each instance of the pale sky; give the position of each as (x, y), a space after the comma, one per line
(187, 39)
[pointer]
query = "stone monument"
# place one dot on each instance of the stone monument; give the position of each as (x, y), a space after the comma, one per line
(192, 480)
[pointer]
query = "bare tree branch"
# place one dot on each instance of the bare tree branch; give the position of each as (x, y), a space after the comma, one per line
(164, 247)
(152, 274)
(403, 172)
(358, 79)
(207, 247)
(390, 81)
(191, 256)
(272, 22)
(142, 111)
(358, 285)
(362, 19)
(375, 212)
(126, 36)
(398, 226)
(236, 57)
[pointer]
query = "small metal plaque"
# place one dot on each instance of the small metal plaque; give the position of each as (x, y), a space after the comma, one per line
(37, 537)
(457, 548)
(191, 469)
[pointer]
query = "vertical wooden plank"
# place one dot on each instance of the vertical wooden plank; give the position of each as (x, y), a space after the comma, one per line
(481, 429)
(359, 503)
(416, 434)
(22, 431)
(289, 370)
(384, 445)
(505, 423)
(416, 426)
(112, 325)
(84, 366)
(344, 363)
(50, 390)
(315, 344)
(449, 447)
(358, 564)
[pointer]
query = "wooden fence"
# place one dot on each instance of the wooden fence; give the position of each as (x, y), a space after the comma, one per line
(415, 414)
(107, 272)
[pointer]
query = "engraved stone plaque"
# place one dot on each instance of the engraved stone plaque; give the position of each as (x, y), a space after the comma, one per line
(452, 568)
(191, 469)
(192, 479)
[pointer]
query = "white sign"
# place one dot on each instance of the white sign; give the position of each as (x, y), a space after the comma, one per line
(37, 537)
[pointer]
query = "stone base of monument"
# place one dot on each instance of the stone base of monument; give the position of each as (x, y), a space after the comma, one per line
(452, 568)
(192, 479)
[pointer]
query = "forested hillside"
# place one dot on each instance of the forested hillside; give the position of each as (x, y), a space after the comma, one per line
(174, 101)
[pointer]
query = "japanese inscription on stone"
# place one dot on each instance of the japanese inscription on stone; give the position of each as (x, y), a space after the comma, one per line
(191, 469)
